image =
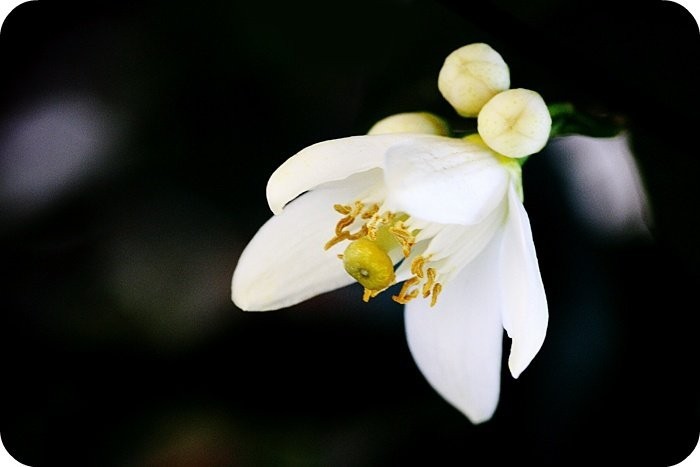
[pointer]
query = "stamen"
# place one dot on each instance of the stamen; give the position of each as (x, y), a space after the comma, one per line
(369, 294)
(350, 213)
(359, 234)
(334, 240)
(417, 266)
(368, 214)
(376, 222)
(412, 288)
(404, 295)
(342, 223)
(429, 283)
(343, 209)
(404, 237)
(437, 288)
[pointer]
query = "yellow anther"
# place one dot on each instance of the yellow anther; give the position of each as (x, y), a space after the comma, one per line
(342, 224)
(351, 213)
(334, 240)
(437, 288)
(412, 288)
(359, 234)
(417, 266)
(369, 264)
(377, 221)
(405, 238)
(343, 209)
(429, 283)
(369, 213)
(404, 296)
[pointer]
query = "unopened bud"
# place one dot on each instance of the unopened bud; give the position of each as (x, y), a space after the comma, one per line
(411, 122)
(515, 123)
(472, 75)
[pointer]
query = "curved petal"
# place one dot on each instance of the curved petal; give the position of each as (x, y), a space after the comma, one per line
(457, 344)
(444, 180)
(285, 262)
(326, 162)
(455, 246)
(525, 314)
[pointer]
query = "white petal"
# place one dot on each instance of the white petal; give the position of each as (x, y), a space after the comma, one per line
(455, 246)
(444, 180)
(285, 262)
(457, 343)
(525, 314)
(326, 162)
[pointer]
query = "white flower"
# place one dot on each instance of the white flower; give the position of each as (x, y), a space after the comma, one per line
(448, 213)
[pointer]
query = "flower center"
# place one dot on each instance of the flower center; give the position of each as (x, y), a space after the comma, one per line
(369, 265)
(366, 259)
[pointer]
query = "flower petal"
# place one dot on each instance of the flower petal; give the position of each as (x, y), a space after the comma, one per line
(455, 246)
(285, 262)
(444, 180)
(525, 314)
(326, 162)
(457, 343)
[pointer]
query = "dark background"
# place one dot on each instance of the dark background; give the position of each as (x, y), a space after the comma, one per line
(135, 143)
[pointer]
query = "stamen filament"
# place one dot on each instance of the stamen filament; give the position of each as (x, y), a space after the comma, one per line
(404, 296)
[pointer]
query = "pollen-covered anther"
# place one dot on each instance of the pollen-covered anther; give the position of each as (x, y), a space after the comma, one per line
(377, 220)
(342, 209)
(369, 213)
(351, 213)
(428, 286)
(404, 237)
(437, 288)
(412, 288)
(405, 295)
(417, 266)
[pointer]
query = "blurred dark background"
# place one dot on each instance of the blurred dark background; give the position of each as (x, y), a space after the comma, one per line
(135, 144)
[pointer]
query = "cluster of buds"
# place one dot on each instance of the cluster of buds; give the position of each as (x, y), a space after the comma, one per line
(475, 80)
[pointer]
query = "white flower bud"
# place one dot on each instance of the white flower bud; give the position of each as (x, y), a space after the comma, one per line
(515, 123)
(411, 122)
(472, 75)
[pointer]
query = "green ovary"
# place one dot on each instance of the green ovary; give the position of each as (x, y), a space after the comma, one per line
(369, 264)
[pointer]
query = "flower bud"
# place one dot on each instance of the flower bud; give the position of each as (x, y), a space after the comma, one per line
(515, 123)
(472, 75)
(411, 122)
